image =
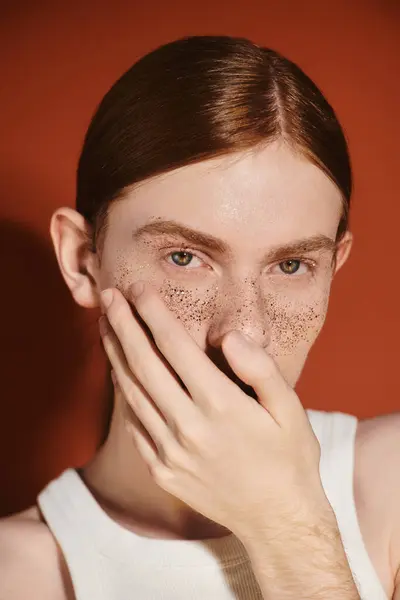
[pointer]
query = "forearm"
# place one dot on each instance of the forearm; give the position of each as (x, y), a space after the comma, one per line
(308, 564)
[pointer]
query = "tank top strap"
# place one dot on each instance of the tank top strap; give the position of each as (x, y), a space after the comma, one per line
(61, 503)
(336, 433)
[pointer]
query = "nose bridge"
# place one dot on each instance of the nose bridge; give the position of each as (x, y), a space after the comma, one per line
(241, 306)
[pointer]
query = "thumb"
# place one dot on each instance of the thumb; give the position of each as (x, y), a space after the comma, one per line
(257, 368)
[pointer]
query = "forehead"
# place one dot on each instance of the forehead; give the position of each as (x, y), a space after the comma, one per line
(268, 194)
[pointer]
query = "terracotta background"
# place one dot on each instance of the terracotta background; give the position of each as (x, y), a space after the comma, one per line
(58, 59)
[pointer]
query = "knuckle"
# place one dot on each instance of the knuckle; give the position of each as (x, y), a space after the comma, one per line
(160, 473)
(144, 305)
(266, 370)
(165, 340)
(218, 406)
(139, 368)
(133, 387)
(192, 436)
(155, 469)
(261, 370)
(171, 456)
(117, 313)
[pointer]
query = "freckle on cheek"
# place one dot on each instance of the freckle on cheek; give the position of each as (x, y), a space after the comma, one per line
(292, 324)
(123, 272)
(192, 307)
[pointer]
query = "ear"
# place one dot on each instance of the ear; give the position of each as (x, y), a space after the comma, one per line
(79, 266)
(343, 250)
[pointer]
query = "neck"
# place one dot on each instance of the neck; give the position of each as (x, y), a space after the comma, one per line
(119, 480)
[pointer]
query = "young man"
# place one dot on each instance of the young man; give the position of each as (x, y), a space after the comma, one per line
(245, 468)
(213, 481)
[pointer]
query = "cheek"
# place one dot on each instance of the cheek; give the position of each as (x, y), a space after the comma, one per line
(191, 305)
(194, 307)
(128, 268)
(295, 325)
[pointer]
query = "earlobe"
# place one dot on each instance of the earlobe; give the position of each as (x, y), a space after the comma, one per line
(70, 234)
(343, 250)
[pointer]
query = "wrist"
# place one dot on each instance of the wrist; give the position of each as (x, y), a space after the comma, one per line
(296, 523)
(310, 559)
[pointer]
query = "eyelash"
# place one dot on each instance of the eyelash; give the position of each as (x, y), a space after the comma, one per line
(310, 264)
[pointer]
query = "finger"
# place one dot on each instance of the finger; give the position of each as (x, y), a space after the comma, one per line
(144, 445)
(146, 363)
(140, 436)
(191, 364)
(256, 368)
(132, 391)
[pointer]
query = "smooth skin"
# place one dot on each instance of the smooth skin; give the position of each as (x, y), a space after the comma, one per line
(255, 202)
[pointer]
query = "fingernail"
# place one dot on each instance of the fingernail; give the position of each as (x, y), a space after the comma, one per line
(137, 288)
(241, 339)
(103, 326)
(106, 298)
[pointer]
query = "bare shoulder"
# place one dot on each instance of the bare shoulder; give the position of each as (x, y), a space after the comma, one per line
(377, 482)
(378, 454)
(31, 564)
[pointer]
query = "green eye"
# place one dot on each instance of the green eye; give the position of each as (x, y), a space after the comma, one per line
(290, 266)
(182, 259)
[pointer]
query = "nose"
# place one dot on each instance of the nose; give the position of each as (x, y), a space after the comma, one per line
(240, 307)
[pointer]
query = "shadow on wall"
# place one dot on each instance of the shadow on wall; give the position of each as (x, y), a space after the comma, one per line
(42, 357)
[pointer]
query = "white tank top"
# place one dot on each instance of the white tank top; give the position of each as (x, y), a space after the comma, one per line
(108, 562)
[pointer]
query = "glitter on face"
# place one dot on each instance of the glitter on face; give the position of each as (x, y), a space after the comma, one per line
(252, 204)
(128, 270)
(192, 307)
(285, 323)
(293, 323)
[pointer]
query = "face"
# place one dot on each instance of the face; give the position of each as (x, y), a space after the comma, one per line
(243, 242)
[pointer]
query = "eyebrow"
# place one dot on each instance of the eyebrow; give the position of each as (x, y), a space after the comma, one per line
(175, 229)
